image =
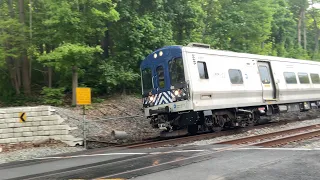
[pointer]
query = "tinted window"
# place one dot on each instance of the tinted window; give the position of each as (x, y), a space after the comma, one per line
(264, 74)
(303, 78)
(176, 72)
(235, 76)
(315, 78)
(147, 80)
(160, 73)
(203, 72)
(290, 77)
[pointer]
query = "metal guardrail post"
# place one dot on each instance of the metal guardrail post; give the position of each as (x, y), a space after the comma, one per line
(84, 128)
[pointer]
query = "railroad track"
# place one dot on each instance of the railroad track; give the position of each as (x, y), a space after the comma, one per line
(255, 140)
(278, 138)
(161, 141)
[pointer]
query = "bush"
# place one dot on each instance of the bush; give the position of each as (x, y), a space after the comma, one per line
(118, 78)
(97, 100)
(53, 96)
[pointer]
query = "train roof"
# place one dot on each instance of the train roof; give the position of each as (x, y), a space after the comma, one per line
(201, 50)
(246, 55)
(166, 50)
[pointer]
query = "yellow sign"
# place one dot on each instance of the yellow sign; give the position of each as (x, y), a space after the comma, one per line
(22, 117)
(83, 96)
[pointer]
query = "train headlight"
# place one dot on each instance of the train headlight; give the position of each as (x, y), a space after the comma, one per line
(176, 93)
(151, 98)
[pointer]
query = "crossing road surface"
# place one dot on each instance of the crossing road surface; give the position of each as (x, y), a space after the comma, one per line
(194, 162)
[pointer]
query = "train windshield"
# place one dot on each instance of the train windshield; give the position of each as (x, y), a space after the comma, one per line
(147, 80)
(176, 72)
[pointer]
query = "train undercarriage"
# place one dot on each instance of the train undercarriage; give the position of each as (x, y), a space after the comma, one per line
(217, 120)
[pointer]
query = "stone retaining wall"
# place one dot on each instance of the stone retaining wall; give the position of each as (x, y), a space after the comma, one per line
(40, 124)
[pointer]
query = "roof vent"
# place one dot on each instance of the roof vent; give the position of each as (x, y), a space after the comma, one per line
(207, 46)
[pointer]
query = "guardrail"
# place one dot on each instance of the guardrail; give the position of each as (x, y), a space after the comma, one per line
(85, 125)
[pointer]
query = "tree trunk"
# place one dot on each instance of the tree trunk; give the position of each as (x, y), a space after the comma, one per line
(110, 43)
(304, 29)
(11, 8)
(30, 29)
(317, 42)
(18, 72)
(74, 84)
(12, 63)
(317, 34)
(25, 61)
(50, 77)
(25, 75)
(316, 46)
(13, 76)
(180, 35)
(49, 68)
(299, 28)
(124, 91)
(105, 44)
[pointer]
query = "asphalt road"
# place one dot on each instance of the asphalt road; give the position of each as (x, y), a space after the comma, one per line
(249, 164)
(196, 162)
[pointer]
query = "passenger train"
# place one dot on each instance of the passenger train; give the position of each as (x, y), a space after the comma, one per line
(200, 89)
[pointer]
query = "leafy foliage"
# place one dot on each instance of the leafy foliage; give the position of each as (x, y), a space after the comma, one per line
(69, 55)
(116, 78)
(101, 43)
(53, 96)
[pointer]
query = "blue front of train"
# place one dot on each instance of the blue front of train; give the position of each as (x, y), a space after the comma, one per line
(163, 80)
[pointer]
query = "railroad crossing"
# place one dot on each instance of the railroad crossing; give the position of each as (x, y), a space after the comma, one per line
(244, 158)
(213, 161)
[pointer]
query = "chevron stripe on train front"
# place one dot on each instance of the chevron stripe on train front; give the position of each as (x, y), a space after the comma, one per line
(163, 98)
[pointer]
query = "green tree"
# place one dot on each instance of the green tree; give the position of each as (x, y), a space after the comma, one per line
(240, 28)
(283, 28)
(187, 20)
(58, 32)
(314, 26)
(73, 57)
(299, 8)
(13, 45)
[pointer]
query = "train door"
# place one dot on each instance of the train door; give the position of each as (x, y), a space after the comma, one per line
(267, 81)
(160, 78)
(162, 84)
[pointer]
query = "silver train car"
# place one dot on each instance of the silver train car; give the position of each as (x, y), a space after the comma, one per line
(197, 88)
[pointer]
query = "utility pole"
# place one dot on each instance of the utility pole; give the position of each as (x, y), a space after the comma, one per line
(30, 26)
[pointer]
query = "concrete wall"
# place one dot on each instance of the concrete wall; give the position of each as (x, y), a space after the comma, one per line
(40, 125)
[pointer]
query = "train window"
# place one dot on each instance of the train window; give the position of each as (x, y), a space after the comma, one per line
(176, 72)
(160, 73)
(315, 78)
(203, 72)
(303, 78)
(264, 74)
(147, 80)
(290, 77)
(235, 76)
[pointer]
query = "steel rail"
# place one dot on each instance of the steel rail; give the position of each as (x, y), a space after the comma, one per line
(270, 135)
(181, 140)
(288, 139)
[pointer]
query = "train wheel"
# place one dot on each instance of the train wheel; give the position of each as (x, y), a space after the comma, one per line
(192, 129)
(217, 129)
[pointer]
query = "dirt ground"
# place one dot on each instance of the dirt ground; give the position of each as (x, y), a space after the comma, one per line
(100, 125)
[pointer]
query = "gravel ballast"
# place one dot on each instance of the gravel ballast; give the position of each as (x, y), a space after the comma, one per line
(31, 153)
(256, 132)
(138, 128)
(103, 118)
(307, 144)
